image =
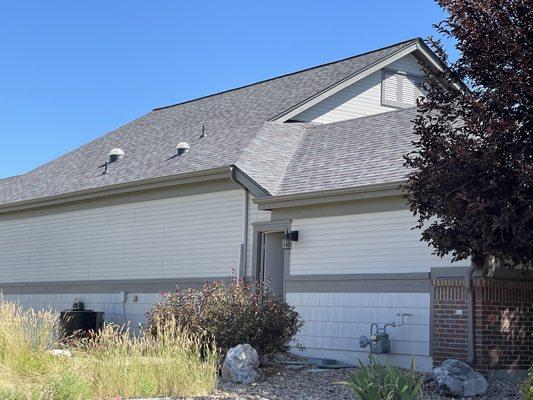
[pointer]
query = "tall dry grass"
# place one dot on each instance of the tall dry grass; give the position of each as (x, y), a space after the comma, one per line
(175, 363)
(112, 363)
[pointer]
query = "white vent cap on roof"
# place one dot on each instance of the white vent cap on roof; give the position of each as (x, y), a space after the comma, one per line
(115, 154)
(182, 148)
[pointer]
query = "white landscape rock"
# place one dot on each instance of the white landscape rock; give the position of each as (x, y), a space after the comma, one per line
(240, 364)
(456, 379)
(60, 353)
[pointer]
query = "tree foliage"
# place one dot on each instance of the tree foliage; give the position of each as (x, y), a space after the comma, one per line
(471, 179)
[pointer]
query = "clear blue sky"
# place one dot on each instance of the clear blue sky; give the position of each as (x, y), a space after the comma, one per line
(71, 71)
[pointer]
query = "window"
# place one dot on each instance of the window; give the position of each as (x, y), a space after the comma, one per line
(399, 89)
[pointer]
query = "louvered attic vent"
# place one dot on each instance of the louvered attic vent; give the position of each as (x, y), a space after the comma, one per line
(399, 89)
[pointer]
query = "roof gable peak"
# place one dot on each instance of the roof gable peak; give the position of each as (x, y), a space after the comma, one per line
(415, 46)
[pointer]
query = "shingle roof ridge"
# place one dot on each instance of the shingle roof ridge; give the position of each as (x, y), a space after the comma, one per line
(405, 42)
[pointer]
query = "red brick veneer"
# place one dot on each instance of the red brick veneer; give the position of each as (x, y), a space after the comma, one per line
(503, 322)
(450, 329)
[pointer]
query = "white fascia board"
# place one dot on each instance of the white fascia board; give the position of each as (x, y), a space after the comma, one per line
(371, 191)
(120, 188)
(429, 56)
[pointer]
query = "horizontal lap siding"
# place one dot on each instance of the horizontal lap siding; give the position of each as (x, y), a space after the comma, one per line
(359, 99)
(110, 303)
(335, 321)
(381, 242)
(189, 236)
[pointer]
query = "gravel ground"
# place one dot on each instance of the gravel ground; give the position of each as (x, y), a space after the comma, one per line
(280, 382)
(303, 382)
(294, 382)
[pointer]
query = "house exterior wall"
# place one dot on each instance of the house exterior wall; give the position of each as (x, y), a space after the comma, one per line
(359, 99)
(354, 264)
(450, 320)
(111, 304)
(106, 296)
(357, 263)
(186, 236)
(503, 322)
(335, 321)
(503, 316)
(376, 242)
(141, 244)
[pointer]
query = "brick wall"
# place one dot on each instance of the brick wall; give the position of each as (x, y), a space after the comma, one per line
(503, 322)
(450, 320)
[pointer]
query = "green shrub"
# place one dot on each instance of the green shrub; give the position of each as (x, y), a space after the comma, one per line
(383, 382)
(527, 386)
(232, 313)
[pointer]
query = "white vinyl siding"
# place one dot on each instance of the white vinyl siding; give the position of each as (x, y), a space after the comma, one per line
(110, 303)
(381, 242)
(360, 99)
(189, 236)
(335, 321)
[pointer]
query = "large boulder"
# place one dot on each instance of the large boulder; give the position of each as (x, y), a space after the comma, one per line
(240, 364)
(456, 379)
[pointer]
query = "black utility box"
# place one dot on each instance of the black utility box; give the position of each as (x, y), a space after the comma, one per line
(80, 322)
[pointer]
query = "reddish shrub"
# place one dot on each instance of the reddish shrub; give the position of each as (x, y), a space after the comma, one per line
(232, 313)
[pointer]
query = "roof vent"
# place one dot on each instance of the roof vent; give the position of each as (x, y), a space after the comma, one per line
(115, 154)
(182, 148)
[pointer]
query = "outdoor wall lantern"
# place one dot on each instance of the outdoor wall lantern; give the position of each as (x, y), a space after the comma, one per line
(288, 238)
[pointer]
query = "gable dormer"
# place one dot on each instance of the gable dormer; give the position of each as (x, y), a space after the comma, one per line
(396, 85)
(360, 93)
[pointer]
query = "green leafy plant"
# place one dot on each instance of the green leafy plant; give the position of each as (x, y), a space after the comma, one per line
(232, 313)
(384, 382)
(527, 385)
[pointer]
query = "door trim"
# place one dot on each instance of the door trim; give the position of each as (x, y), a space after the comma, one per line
(260, 228)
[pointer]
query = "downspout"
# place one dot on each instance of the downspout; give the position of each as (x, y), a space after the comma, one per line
(469, 287)
(244, 245)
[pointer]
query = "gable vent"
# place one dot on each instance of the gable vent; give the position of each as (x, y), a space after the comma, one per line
(399, 89)
(182, 148)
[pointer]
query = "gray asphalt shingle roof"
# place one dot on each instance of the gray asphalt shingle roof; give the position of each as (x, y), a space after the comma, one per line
(283, 158)
(351, 153)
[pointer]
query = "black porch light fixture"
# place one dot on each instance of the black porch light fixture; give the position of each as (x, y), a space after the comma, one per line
(288, 238)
